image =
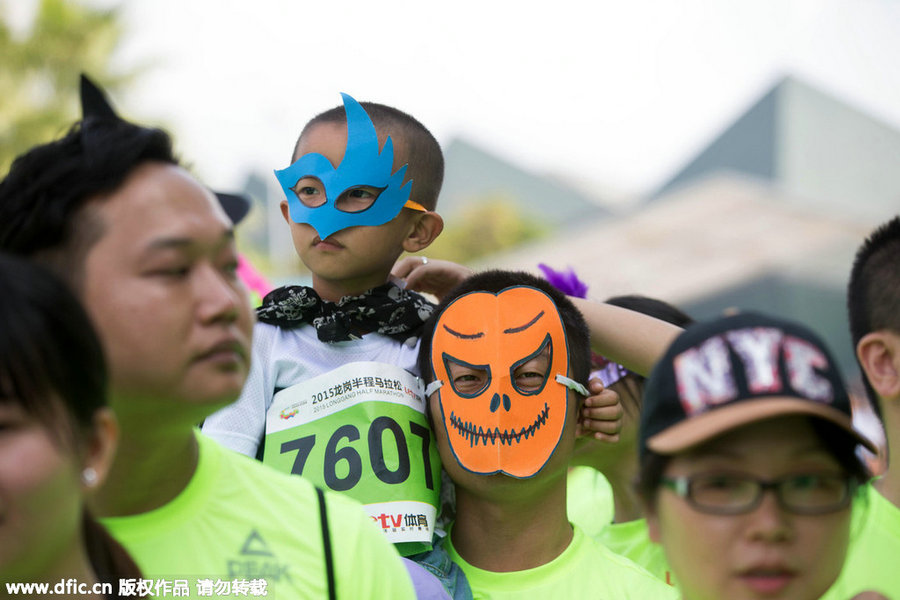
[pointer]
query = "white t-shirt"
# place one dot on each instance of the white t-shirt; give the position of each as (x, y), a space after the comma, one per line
(285, 357)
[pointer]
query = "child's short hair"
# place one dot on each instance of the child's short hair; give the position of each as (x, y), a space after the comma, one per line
(873, 293)
(495, 281)
(47, 186)
(422, 151)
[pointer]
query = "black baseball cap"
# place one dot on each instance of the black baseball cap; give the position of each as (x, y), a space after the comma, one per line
(736, 370)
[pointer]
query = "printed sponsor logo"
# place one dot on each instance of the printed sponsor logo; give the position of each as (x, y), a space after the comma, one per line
(257, 561)
(401, 521)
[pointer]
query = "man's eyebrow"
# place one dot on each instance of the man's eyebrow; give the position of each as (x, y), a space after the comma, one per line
(464, 336)
(169, 242)
(176, 242)
(525, 326)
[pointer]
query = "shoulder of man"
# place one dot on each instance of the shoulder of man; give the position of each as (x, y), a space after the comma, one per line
(871, 563)
(622, 573)
(366, 564)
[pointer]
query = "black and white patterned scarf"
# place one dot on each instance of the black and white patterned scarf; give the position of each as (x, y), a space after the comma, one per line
(386, 309)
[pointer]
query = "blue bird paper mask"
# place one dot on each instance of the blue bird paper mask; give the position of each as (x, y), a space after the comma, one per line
(362, 165)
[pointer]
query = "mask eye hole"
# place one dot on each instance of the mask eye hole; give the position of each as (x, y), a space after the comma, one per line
(529, 375)
(466, 379)
(310, 192)
(357, 199)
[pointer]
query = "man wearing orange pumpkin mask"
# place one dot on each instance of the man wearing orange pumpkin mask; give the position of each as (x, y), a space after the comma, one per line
(505, 359)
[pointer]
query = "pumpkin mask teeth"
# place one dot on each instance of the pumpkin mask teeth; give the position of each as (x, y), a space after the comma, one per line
(467, 430)
(506, 360)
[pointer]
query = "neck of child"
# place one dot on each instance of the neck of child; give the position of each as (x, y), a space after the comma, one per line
(156, 458)
(511, 531)
(332, 290)
(889, 484)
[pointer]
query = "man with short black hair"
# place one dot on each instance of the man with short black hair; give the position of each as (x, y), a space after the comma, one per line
(506, 358)
(873, 302)
(151, 254)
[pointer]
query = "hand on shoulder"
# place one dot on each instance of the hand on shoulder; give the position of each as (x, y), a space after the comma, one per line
(429, 275)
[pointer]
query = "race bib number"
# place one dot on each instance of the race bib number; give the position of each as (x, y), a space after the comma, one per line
(361, 430)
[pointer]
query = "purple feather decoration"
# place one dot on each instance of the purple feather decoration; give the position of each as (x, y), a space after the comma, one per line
(565, 281)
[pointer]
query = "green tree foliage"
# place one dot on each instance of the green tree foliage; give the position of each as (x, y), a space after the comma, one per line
(486, 226)
(39, 69)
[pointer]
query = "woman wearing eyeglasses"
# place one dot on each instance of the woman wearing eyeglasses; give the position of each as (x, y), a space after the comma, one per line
(748, 460)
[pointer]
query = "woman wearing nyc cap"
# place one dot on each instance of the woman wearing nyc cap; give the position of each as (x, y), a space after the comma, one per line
(747, 460)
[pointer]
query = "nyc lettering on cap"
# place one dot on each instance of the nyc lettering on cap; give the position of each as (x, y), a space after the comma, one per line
(736, 370)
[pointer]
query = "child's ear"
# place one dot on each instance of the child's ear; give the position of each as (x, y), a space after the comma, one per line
(427, 226)
(879, 355)
(285, 211)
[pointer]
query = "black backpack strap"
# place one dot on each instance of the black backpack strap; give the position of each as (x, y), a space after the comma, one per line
(326, 544)
(261, 448)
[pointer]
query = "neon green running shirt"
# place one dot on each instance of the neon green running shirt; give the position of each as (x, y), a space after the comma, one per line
(585, 569)
(590, 506)
(589, 499)
(238, 522)
(873, 558)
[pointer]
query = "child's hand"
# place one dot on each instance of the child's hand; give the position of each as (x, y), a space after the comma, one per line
(429, 275)
(601, 415)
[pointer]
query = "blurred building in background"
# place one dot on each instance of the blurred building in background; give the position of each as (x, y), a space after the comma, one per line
(767, 216)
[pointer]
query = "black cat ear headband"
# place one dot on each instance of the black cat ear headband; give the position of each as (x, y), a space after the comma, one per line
(95, 105)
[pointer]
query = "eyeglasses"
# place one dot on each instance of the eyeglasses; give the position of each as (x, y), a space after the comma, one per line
(730, 494)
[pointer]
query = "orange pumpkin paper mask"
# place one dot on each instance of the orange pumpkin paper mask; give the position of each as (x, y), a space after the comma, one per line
(494, 421)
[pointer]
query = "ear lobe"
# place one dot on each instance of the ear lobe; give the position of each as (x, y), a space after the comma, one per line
(426, 228)
(285, 211)
(101, 447)
(879, 355)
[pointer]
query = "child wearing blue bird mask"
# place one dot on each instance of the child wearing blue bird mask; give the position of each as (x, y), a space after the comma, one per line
(333, 394)
(356, 202)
